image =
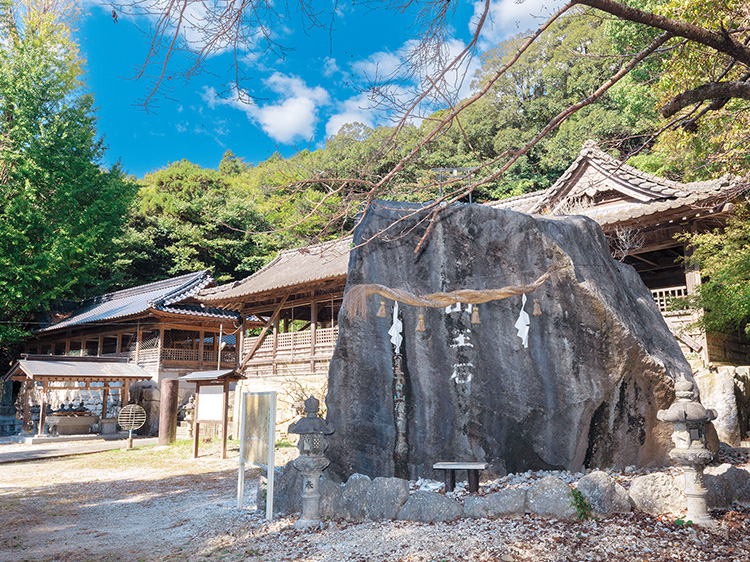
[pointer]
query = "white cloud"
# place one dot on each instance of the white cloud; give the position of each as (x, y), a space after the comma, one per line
(330, 67)
(293, 116)
(353, 110)
(509, 17)
(378, 65)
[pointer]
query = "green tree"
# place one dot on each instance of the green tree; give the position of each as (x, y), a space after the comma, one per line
(59, 210)
(561, 68)
(723, 256)
(189, 218)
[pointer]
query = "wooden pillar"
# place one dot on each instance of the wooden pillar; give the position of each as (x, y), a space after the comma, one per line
(125, 398)
(99, 346)
(225, 418)
(275, 345)
(118, 344)
(105, 399)
(83, 347)
(201, 347)
(138, 334)
(313, 333)
(29, 384)
(67, 347)
(240, 344)
(42, 409)
(159, 346)
(168, 411)
(196, 425)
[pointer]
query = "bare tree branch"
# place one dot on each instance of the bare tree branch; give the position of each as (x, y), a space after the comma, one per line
(722, 42)
(720, 91)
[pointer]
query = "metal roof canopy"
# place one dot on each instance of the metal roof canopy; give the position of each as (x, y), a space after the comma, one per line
(75, 370)
(206, 376)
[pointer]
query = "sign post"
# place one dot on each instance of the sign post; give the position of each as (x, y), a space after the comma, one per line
(257, 440)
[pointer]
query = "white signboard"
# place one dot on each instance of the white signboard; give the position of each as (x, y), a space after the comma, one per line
(210, 404)
(257, 440)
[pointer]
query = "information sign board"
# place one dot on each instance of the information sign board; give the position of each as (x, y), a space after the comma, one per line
(257, 440)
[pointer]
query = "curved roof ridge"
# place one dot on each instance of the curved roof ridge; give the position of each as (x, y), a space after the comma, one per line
(140, 289)
(297, 264)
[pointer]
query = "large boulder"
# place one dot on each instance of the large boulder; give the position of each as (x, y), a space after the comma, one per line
(384, 498)
(551, 497)
(598, 364)
(351, 502)
(505, 503)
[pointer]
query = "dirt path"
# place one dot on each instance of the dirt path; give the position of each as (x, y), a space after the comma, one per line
(117, 505)
(160, 505)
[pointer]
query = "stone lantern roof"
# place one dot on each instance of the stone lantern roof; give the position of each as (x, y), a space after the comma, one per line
(312, 422)
(685, 409)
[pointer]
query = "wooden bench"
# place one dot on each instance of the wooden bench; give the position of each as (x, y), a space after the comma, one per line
(450, 468)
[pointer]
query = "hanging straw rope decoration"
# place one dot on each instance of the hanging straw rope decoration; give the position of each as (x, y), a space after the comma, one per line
(355, 303)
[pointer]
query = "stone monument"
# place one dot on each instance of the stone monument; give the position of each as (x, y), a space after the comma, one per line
(566, 370)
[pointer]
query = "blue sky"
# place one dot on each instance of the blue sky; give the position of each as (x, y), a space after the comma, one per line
(301, 99)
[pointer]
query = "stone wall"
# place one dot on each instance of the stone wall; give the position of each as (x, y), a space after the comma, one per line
(657, 493)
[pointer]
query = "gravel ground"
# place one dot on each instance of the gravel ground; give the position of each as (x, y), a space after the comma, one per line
(158, 504)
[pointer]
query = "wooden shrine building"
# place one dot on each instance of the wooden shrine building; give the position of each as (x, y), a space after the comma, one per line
(160, 326)
(641, 214)
(160, 330)
(298, 294)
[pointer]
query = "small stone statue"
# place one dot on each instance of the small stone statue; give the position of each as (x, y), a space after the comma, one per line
(189, 409)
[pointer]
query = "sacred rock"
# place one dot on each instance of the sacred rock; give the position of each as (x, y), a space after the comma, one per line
(582, 388)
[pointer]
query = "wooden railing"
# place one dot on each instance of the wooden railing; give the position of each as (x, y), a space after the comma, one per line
(292, 344)
(665, 296)
(180, 357)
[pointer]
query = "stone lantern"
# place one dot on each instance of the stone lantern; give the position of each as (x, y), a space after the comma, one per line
(312, 431)
(689, 418)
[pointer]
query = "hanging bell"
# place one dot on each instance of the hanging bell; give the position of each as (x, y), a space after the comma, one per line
(381, 310)
(420, 322)
(475, 315)
(537, 309)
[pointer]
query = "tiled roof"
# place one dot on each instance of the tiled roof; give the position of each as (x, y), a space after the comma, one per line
(161, 295)
(329, 260)
(651, 195)
(521, 203)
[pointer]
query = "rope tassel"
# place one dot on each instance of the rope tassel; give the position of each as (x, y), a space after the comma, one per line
(420, 322)
(475, 316)
(537, 309)
(381, 310)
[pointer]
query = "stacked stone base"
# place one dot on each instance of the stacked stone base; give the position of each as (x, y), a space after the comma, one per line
(362, 498)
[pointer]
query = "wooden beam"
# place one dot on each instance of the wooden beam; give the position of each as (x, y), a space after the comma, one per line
(225, 418)
(196, 425)
(42, 410)
(264, 332)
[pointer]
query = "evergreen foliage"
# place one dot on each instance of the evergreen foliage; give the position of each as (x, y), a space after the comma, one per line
(60, 210)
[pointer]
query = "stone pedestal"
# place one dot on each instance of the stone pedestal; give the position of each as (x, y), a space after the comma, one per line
(311, 469)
